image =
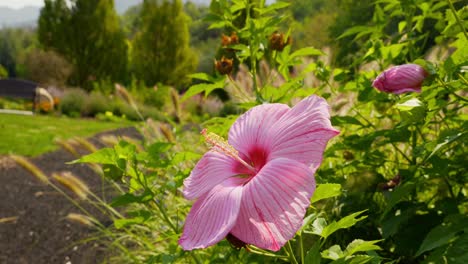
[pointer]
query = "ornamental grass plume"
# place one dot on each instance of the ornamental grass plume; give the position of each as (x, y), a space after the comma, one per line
(401, 79)
(33, 169)
(73, 183)
(257, 185)
(81, 219)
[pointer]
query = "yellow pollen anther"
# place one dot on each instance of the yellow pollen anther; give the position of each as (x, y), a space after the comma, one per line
(220, 145)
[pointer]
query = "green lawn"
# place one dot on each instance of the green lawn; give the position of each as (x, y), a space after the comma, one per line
(34, 135)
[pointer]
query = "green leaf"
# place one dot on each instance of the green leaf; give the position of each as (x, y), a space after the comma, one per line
(184, 156)
(334, 253)
(309, 51)
(325, 191)
(318, 225)
(345, 120)
(159, 147)
(124, 151)
(102, 156)
(355, 30)
(399, 193)
(273, 7)
(202, 76)
(112, 172)
(359, 245)
(313, 254)
(412, 110)
(202, 87)
(345, 222)
(447, 140)
(443, 234)
(121, 223)
(458, 252)
(129, 198)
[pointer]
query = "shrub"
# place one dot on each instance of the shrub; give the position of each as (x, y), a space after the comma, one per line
(96, 103)
(73, 102)
(46, 67)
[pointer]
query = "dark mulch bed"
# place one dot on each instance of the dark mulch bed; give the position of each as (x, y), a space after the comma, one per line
(41, 234)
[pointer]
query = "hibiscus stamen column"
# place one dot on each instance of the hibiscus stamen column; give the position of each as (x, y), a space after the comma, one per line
(220, 145)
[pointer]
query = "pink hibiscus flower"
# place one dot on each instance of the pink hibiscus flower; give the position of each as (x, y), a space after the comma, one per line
(258, 185)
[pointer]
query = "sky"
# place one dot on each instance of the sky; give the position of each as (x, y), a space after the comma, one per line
(21, 3)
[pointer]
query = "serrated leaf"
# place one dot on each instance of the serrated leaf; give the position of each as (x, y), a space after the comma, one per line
(102, 156)
(325, 191)
(345, 120)
(202, 76)
(344, 222)
(318, 225)
(309, 51)
(359, 245)
(409, 104)
(202, 87)
(334, 253)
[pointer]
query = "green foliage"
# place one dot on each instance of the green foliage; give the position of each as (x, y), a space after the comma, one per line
(399, 158)
(73, 102)
(88, 35)
(14, 43)
(46, 67)
(160, 51)
(3, 72)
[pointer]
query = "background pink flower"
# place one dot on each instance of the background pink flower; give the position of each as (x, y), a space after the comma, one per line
(258, 186)
(401, 79)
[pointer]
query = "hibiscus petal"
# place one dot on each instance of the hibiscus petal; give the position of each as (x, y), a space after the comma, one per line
(302, 133)
(274, 203)
(252, 128)
(212, 169)
(213, 215)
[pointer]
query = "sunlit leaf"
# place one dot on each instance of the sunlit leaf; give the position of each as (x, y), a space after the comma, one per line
(325, 191)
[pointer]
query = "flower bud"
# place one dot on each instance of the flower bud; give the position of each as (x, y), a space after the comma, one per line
(401, 79)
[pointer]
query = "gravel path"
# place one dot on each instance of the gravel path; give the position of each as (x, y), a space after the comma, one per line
(33, 228)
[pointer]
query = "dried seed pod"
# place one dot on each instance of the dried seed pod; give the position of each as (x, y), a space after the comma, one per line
(277, 41)
(224, 66)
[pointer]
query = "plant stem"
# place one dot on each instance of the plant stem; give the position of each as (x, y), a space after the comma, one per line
(165, 217)
(449, 186)
(253, 52)
(195, 257)
(290, 251)
(301, 245)
(255, 250)
(414, 144)
(457, 18)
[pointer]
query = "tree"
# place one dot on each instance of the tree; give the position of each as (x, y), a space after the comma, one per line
(14, 43)
(161, 51)
(88, 35)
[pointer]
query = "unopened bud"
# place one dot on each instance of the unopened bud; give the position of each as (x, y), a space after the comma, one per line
(401, 79)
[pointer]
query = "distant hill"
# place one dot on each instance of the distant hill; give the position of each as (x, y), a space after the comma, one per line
(27, 16)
